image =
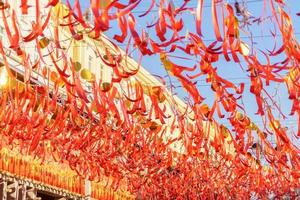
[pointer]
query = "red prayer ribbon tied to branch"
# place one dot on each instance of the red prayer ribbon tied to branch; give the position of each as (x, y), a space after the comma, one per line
(134, 132)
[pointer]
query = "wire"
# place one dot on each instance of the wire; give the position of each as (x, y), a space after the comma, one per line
(138, 11)
(194, 6)
(213, 40)
(205, 40)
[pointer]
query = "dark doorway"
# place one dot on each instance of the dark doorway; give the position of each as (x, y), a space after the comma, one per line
(45, 196)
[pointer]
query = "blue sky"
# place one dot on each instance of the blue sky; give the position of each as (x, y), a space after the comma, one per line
(228, 70)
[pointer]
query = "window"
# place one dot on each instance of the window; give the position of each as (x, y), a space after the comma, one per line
(1, 32)
(76, 51)
(90, 62)
(101, 72)
(83, 49)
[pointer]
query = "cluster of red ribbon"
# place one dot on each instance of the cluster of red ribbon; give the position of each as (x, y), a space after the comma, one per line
(128, 134)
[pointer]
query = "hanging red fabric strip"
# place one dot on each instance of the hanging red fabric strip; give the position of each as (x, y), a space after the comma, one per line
(215, 20)
(199, 17)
